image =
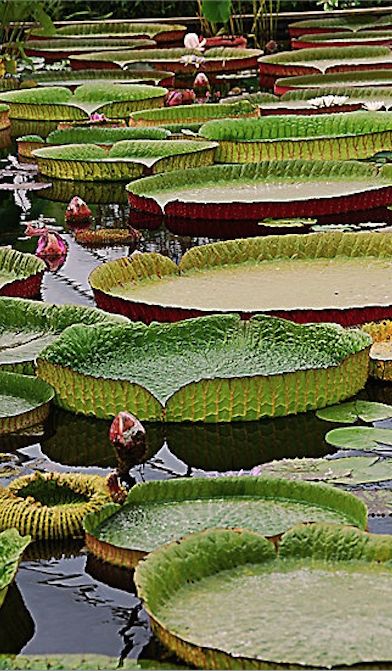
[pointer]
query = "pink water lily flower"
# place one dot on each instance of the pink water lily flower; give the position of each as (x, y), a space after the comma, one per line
(95, 117)
(193, 41)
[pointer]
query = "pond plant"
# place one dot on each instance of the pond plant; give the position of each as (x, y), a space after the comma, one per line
(174, 508)
(162, 33)
(24, 401)
(350, 24)
(226, 369)
(269, 189)
(12, 546)
(191, 116)
(341, 567)
(322, 60)
(51, 506)
(59, 48)
(344, 39)
(57, 103)
(223, 277)
(327, 136)
(126, 159)
(20, 274)
(27, 327)
(74, 79)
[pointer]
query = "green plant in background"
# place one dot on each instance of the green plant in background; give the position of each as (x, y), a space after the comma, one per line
(14, 19)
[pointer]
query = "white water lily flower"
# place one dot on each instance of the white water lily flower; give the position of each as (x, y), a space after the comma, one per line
(192, 41)
(373, 105)
(192, 59)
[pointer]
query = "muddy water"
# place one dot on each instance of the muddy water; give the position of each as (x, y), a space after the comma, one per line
(65, 601)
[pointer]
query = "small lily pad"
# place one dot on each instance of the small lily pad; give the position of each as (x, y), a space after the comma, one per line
(366, 438)
(345, 471)
(349, 413)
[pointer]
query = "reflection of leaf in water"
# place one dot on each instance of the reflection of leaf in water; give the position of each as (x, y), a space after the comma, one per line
(366, 438)
(349, 413)
(21, 199)
(344, 471)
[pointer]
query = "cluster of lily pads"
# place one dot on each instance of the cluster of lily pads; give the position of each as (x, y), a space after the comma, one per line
(245, 330)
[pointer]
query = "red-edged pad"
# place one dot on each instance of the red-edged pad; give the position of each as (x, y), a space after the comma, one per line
(368, 200)
(150, 313)
(300, 44)
(27, 288)
(298, 32)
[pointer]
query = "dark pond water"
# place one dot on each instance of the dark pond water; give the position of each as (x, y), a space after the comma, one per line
(65, 601)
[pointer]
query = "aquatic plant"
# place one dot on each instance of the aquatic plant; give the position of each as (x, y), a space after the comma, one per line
(125, 159)
(20, 274)
(269, 506)
(27, 326)
(4, 117)
(160, 32)
(328, 136)
(350, 24)
(191, 114)
(185, 61)
(345, 471)
(322, 60)
(57, 103)
(358, 85)
(60, 48)
(11, 550)
(107, 136)
(276, 190)
(213, 369)
(380, 352)
(107, 236)
(24, 401)
(50, 506)
(344, 39)
(214, 569)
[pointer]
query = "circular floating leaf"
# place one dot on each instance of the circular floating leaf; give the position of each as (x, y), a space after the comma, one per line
(349, 413)
(162, 511)
(363, 438)
(24, 401)
(345, 471)
(51, 506)
(327, 583)
(215, 369)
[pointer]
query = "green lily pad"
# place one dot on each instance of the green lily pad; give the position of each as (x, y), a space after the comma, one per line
(215, 368)
(349, 413)
(228, 599)
(345, 471)
(27, 326)
(24, 401)
(158, 512)
(364, 438)
(11, 549)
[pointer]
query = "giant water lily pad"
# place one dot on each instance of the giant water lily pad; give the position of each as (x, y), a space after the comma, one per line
(160, 32)
(27, 326)
(325, 583)
(364, 438)
(350, 24)
(337, 277)
(322, 60)
(349, 413)
(20, 274)
(377, 501)
(125, 160)
(73, 79)
(347, 471)
(11, 549)
(62, 47)
(371, 84)
(80, 662)
(184, 116)
(57, 103)
(332, 136)
(226, 59)
(158, 512)
(213, 369)
(270, 189)
(343, 39)
(24, 401)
